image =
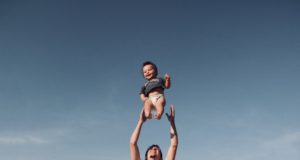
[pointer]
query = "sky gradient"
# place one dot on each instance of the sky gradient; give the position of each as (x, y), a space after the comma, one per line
(70, 77)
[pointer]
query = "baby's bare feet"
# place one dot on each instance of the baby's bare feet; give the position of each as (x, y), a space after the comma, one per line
(149, 116)
(157, 116)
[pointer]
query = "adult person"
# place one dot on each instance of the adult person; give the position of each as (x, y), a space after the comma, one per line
(154, 152)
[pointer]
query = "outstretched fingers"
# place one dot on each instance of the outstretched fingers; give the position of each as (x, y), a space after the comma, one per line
(172, 111)
(171, 116)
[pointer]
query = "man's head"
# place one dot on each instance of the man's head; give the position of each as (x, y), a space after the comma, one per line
(153, 153)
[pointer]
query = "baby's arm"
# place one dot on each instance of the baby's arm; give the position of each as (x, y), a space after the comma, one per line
(167, 81)
(143, 97)
(142, 94)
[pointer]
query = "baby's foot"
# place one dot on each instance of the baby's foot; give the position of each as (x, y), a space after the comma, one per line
(157, 116)
(149, 116)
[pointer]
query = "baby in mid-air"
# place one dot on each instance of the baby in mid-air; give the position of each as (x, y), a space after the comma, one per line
(152, 93)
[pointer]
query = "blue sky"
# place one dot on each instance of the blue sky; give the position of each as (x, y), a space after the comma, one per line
(70, 78)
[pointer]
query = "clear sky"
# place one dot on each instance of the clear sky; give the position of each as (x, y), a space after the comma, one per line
(70, 78)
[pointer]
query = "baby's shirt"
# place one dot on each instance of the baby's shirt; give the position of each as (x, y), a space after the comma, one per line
(152, 84)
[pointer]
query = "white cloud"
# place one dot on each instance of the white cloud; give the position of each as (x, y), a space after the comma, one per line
(286, 146)
(282, 146)
(288, 139)
(22, 140)
(32, 137)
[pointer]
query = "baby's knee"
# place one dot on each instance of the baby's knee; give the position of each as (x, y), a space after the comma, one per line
(148, 102)
(148, 114)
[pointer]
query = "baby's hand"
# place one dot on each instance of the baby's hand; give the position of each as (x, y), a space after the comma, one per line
(167, 81)
(145, 99)
(167, 77)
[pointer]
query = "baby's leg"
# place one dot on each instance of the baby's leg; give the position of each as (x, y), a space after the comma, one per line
(159, 106)
(147, 109)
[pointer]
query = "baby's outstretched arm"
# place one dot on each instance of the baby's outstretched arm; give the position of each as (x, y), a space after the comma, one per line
(167, 81)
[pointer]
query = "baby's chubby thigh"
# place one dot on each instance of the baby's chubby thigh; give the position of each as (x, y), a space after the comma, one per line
(160, 106)
(147, 108)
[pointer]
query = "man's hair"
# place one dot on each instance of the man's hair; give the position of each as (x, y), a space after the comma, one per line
(151, 63)
(150, 147)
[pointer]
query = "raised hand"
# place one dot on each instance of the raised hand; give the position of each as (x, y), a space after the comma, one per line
(173, 135)
(171, 116)
(142, 117)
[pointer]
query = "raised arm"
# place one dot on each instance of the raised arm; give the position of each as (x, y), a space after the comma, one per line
(134, 149)
(173, 135)
(167, 81)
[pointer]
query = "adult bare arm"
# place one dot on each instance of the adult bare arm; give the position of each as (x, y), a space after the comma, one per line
(173, 135)
(134, 149)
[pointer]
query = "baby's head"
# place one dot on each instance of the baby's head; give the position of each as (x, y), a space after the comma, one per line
(149, 70)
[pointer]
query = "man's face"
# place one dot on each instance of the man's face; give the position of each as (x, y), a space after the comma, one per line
(153, 154)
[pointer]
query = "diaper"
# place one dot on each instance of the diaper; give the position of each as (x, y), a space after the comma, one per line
(155, 98)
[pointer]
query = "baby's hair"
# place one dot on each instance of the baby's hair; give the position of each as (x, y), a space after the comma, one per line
(151, 63)
(150, 147)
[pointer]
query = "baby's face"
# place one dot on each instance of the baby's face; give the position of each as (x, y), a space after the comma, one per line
(149, 71)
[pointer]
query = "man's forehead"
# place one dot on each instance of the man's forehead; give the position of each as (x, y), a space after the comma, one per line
(154, 147)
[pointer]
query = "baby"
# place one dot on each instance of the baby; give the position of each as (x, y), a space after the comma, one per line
(152, 93)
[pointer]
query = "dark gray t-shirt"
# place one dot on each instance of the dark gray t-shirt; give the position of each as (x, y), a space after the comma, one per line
(152, 84)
